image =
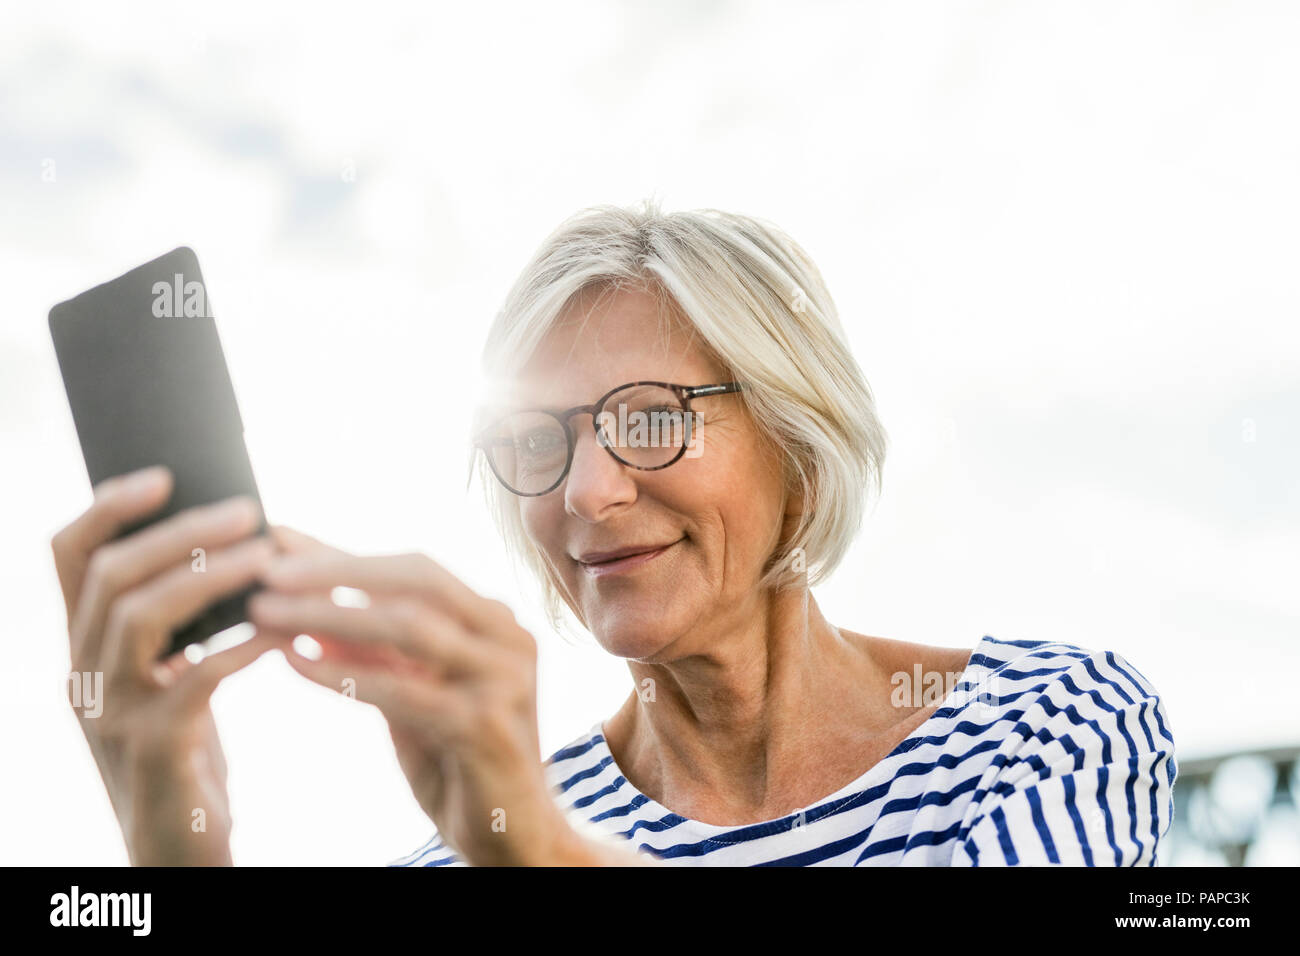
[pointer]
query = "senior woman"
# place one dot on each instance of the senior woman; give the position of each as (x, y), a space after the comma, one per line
(681, 447)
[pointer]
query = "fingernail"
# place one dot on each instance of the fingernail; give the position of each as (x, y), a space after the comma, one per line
(241, 508)
(145, 480)
(135, 484)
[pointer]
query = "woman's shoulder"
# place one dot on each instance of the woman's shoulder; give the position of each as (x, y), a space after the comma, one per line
(1024, 682)
(897, 656)
(1047, 667)
(1081, 767)
(1055, 694)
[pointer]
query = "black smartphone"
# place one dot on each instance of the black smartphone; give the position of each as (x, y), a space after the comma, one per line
(148, 385)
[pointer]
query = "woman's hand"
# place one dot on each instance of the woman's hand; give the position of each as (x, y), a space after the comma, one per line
(150, 729)
(454, 674)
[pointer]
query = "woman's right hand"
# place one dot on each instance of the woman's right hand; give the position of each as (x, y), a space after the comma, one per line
(154, 739)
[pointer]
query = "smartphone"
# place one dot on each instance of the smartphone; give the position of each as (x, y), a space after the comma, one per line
(147, 382)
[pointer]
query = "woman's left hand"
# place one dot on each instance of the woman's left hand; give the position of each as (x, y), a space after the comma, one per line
(454, 674)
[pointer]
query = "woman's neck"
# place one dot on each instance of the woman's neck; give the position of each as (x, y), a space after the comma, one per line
(774, 712)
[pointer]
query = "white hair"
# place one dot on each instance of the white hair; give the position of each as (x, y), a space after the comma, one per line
(758, 302)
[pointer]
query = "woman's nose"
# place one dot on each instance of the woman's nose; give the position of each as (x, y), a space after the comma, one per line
(596, 481)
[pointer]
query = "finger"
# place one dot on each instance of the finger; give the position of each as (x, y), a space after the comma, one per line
(409, 626)
(118, 503)
(119, 566)
(167, 669)
(292, 541)
(195, 685)
(140, 623)
(415, 573)
(403, 699)
(357, 655)
(362, 655)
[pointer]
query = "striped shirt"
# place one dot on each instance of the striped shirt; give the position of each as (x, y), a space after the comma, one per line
(1042, 753)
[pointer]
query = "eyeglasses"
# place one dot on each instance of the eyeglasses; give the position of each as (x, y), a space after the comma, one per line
(650, 426)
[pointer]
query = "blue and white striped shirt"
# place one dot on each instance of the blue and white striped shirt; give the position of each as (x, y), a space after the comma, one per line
(1043, 753)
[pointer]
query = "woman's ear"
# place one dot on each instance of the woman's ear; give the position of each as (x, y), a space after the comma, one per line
(794, 504)
(790, 518)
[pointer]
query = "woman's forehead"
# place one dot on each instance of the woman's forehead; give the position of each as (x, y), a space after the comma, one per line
(611, 324)
(587, 353)
(577, 383)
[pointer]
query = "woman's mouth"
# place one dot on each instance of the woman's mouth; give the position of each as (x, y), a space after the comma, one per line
(600, 569)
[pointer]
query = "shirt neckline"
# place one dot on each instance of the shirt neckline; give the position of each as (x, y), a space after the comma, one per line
(862, 782)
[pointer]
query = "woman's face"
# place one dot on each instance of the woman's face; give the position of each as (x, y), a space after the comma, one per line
(720, 513)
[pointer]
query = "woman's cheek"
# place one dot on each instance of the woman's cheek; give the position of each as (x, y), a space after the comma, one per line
(543, 532)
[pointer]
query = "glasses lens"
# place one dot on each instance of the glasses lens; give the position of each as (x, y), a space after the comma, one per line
(527, 451)
(644, 425)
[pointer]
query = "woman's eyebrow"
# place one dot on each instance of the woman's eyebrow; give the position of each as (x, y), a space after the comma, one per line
(531, 407)
(511, 407)
(508, 404)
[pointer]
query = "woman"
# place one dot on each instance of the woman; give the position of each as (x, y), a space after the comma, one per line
(679, 447)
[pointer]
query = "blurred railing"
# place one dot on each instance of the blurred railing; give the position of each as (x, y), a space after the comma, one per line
(1237, 809)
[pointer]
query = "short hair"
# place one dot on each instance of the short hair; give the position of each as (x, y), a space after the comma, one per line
(757, 301)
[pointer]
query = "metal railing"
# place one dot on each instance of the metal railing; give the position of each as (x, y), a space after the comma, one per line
(1237, 809)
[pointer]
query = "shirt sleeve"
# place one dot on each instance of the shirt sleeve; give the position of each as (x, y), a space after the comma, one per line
(1085, 775)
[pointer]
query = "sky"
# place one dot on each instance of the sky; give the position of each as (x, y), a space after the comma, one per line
(1061, 236)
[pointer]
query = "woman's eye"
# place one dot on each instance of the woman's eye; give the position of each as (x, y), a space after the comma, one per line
(538, 443)
(665, 410)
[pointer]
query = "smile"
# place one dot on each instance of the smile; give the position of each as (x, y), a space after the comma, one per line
(620, 565)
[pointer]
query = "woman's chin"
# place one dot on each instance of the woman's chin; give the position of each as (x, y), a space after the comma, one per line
(635, 637)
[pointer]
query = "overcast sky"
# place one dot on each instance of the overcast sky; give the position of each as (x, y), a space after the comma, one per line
(1062, 238)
